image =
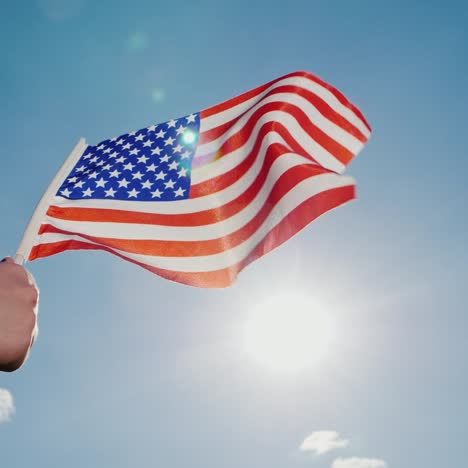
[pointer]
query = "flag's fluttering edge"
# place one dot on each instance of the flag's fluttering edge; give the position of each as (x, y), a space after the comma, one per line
(198, 198)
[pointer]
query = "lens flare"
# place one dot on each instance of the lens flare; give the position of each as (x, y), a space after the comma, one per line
(137, 41)
(158, 95)
(189, 137)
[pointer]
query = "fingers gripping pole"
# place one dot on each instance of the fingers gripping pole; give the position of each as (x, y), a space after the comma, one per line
(38, 216)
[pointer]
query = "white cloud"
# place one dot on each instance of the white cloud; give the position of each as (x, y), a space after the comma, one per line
(7, 405)
(359, 463)
(323, 441)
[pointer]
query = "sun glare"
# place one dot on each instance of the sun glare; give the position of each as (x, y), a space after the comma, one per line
(289, 332)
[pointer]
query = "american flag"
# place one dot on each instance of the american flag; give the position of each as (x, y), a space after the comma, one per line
(198, 198)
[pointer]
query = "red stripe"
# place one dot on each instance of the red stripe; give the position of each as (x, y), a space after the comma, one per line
(218, 183)
(343, 99)
(168, 248)
(321, 105)
(254, 92)
(295, 221)
(200, 218)
(223, 181)
(242, 97)
(239, 139)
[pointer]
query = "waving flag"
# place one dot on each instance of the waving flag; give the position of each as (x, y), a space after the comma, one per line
(198, 198)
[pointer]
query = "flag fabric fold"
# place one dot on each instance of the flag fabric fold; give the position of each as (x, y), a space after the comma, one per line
(198, 198)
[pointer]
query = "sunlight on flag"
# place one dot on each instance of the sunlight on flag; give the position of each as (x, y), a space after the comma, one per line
(198, 198)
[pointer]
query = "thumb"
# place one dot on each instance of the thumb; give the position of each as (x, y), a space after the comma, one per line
(8, 260)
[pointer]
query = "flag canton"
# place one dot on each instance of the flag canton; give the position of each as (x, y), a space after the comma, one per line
(151, 164)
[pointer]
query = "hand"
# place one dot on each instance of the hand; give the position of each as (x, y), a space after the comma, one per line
(18, 314)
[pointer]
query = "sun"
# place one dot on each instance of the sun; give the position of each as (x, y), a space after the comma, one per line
(289, 332)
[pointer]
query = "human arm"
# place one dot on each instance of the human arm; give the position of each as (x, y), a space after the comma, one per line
(18, 314)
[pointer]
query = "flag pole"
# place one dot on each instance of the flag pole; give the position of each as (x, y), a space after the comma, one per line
(32, 230)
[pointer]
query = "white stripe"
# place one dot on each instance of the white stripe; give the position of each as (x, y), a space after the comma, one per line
(223, 228)
(225, 116)
(184, 206)
(341, 136)
(288, 203)
(233, 159)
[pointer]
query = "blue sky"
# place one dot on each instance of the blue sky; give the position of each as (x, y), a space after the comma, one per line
(131, 370)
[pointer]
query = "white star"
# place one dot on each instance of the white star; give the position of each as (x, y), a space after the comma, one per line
(157, 193)
(134, 151)
(101, 182)
(113, 139)
(114, 173)
(80, 169)
(185, 155)
(72, 179)
(132, 133)
(110, 193)
(138, 175)
(114, 154)
(147, 184)
(121, 159)
(173, 165)
(147, 143)
(101, 147)
(133, 193)
(180, 130)
(129, 166)
(120, 142)
(171, 123)
(94, 159)
(139, 137)
(106, 167)
(165, 158)
(107, 151)
(142, 159)
(160, 134)
(87, 156)
(152, 167)
(66, 192)
(156, 150)
(127, 146)
(178, 149)
(123, 183)
(161, 175)
(93, 175)
(191, 118)
(182, 172)
(151, 128)
(169, 184)
(88, 192)
(169, 141)
(79, 184)
(100, 163)
(179, 192)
